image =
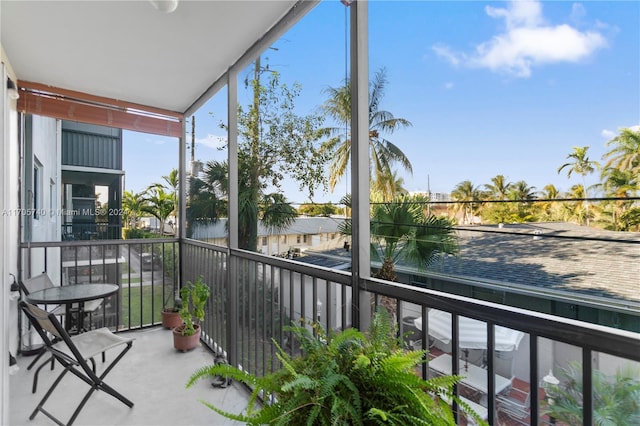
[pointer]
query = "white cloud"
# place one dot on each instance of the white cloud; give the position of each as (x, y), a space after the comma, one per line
(212, 141)
(448, 85)
(578, 12)
(527, 42)
(449, 55)
(608, 134)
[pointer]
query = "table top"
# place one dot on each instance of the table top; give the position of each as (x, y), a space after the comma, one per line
(474, 376)
(71, 293)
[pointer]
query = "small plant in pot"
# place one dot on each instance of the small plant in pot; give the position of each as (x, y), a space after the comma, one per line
(194, 297)
(171, 314)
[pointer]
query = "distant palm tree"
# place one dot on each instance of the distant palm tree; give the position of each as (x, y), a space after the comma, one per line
(625, 154)
(549, 210)
(383, 152)
(521, 191)
(209, 202)
(159, 204)
(133, 206)
(498, 188)
(582, 165)
(390, 186)
(467, 195)
(620, 184)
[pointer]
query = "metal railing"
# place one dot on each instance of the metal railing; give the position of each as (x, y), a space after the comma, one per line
(254, 296)
(146, 270)
(248, 312)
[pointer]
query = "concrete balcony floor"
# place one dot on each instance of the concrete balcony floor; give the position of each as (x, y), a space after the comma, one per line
(152, 375)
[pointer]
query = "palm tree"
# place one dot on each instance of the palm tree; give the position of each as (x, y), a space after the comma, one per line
(133, 206)
(207, 195)
(383, 152)
(582, 165)
(625, 154)
(619, 184)
(467, 195)
(499, 187)
(209, 203)
(548, 210)
(171, 183)
(402, 233)
(160, 205)
(390, 186)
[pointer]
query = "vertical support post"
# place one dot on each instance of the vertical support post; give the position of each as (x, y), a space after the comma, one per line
(232, 261)
(360, 257)
(182, 203)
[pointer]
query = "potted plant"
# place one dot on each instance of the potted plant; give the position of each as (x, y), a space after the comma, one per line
(171, 314)
(194, 296)
(348, 377)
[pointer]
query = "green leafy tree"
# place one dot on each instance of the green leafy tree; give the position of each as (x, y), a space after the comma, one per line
(274, 143)
(625, 152)
(133, 205)
(383, 152)
(581, 164)
(159, 204)
(548, 211)
(402, 233)
(325, 209)
(618, 184)
(207, 201)
(499, 188)
(468, 196)
(616, 400)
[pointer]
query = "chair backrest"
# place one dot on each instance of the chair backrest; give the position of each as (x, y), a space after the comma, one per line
(39, 282)
(47, 325)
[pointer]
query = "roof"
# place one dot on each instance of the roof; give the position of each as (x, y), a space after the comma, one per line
(589, 261)
(127, 50)
(301, 226)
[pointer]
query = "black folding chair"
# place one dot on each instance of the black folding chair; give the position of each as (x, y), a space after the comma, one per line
(41, 282)
(73, 353)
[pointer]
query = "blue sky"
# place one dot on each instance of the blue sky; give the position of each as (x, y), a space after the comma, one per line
(490, 87)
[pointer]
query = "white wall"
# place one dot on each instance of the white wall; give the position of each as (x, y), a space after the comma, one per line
(9, 172)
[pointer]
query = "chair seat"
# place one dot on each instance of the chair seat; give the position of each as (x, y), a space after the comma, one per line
(92, 343)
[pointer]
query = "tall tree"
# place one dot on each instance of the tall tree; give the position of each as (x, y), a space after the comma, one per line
(625, 154)
(274, 143)
(582, 165)
(498, 188)
(467, 195)
(159, 204)
(383, 153)
(619, 184)
(170, 184)
(133, 206)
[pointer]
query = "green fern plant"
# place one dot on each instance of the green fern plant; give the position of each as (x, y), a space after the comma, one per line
(616, 399)
(344, 378)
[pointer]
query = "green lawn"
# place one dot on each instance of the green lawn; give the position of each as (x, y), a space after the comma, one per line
(141, 299)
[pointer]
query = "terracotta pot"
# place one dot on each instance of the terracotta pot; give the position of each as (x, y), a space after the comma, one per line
(185, 343)
(171, 319)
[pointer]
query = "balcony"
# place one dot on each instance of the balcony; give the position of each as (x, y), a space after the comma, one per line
(244, 319)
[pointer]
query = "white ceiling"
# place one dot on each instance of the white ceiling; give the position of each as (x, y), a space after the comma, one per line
(129, 51)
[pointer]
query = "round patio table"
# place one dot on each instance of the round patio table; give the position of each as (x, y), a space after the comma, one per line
(71, 294)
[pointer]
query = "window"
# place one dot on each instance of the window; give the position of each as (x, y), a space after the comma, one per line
(284, 239)
(298, 239)
(264, 241)
(304, 238)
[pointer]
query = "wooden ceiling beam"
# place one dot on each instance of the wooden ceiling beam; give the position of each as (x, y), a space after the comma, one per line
(70, 105)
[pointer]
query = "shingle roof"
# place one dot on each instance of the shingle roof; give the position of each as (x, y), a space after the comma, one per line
(558, 256)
